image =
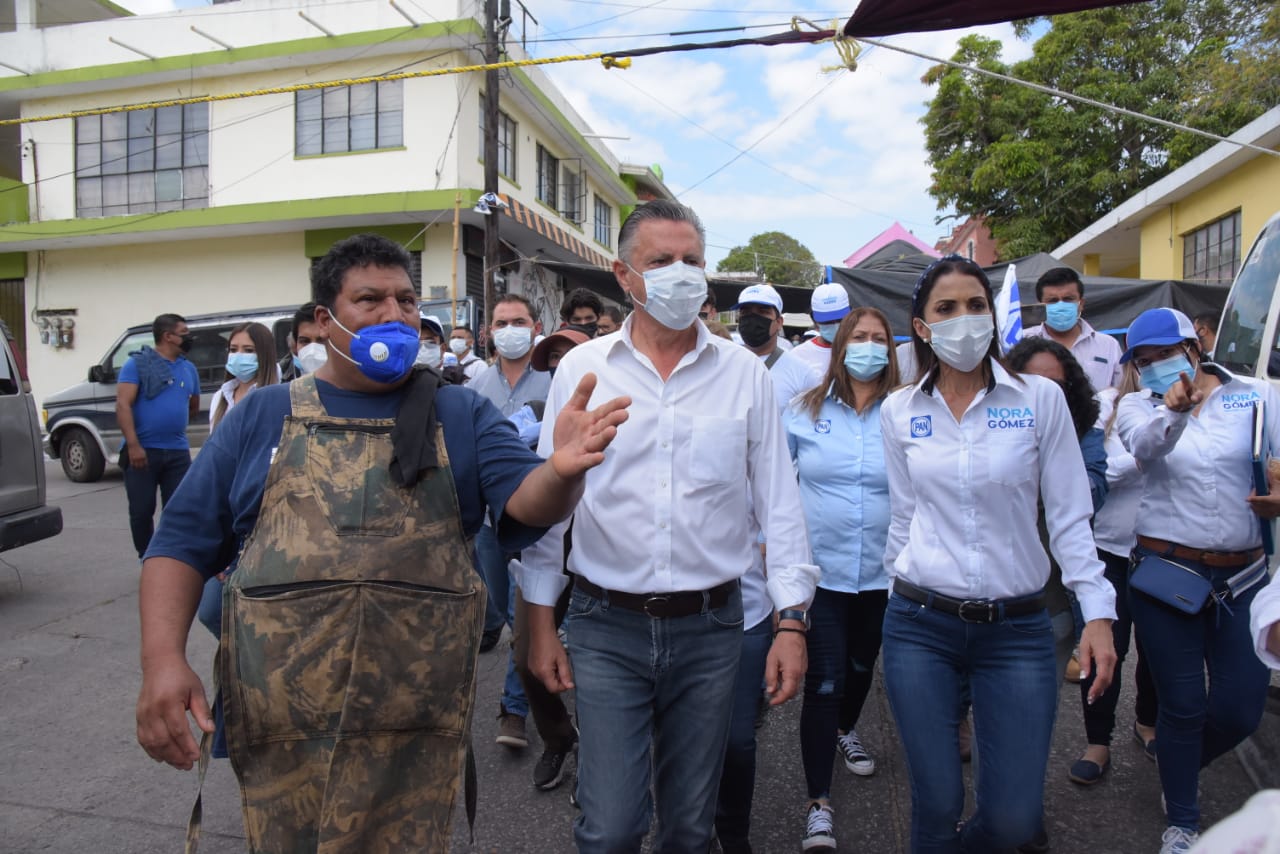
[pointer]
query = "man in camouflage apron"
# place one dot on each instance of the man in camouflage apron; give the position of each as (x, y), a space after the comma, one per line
(353, 615)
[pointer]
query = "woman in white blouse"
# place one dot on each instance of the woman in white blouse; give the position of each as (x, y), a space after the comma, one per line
(251, 363)
(967, 450)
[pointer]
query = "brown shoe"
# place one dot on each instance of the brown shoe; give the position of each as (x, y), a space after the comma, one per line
(511, 731)
(1073, 669)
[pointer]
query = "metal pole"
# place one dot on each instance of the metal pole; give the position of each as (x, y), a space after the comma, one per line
(492, 82)
(453, 274)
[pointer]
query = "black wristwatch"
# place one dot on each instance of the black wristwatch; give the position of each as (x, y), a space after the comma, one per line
(796, 614)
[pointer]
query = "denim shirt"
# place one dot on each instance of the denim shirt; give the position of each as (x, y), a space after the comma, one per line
(844, 489)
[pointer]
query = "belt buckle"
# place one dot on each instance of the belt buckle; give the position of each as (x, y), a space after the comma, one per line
(987, 610)
(655, 606)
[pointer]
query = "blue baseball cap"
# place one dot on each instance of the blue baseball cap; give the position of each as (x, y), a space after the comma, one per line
(829, 303)
(1157, 327)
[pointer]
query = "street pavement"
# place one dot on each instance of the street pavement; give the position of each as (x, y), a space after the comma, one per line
(73, 779)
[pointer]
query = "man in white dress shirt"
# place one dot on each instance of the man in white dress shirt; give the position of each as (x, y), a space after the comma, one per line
(1062, 293)
(660, 540)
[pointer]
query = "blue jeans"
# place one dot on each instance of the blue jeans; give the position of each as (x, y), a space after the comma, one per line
(843, 642)
(210, 611)
(738, 779)
(650, 690)
(928, 658)
(165, 470)
(491, 563)
(1195, 726)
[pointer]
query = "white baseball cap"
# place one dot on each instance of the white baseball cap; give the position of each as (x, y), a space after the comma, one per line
(829, 303)
(759, 295)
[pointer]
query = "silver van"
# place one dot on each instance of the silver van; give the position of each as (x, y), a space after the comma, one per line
(80, 422)
(1249, 333)
(24, 517)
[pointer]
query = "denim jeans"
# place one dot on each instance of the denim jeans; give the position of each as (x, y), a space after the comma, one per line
(1100, 717)
(651, 693)
(491, 562)
(738, 780)
(1194, 725)
(1009, 666)
(844, 642)
(165, 470)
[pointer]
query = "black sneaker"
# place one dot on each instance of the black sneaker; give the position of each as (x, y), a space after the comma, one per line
(489, 640)
(552, 765)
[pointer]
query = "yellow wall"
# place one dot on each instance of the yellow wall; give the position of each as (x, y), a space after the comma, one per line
(1253, 189)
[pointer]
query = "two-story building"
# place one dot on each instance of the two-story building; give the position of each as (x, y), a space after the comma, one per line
(221, 203)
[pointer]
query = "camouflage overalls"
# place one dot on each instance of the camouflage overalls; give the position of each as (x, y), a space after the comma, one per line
(351, 631)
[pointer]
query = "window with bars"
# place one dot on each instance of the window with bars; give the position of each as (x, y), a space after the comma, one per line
(548, 176)
(506, 142)
(571, 190)
(604, 223)
(142, 161)
(1212, 253)
(363, 117)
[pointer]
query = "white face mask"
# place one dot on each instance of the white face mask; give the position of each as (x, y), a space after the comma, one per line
(311, 357)
(429, 355)
(458, 346)
(513, 342)
(963, 341)
(675, 293)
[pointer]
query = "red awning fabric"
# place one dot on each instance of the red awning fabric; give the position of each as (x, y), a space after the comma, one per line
(889, 17)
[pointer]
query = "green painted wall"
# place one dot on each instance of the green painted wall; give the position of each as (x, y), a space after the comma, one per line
(13, 201)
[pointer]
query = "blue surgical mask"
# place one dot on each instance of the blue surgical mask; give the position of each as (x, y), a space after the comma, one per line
(828, 331)
(1062, 316)
(865, 360)
(384, 352)
(1160, 376)
(297, 365)
(242, 366)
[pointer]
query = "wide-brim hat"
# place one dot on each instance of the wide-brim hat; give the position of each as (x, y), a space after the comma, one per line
(543, 351)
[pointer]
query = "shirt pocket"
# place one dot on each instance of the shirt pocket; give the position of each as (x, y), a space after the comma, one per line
(1012, 458)
(718, 449)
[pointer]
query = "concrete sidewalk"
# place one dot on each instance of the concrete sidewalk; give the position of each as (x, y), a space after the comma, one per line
(73, 779)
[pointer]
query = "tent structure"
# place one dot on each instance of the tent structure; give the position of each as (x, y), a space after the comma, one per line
(889, 17)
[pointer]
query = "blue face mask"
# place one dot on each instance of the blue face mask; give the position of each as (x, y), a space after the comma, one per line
(828, 331)
(242, 366)
(1160, 376)
(384, 352)
(1062, 316)
(297, 366)
(865, 360)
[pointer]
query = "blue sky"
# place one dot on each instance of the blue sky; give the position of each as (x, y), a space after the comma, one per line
(834, 157)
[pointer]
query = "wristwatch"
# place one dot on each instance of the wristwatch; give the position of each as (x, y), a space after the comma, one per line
(796, 614)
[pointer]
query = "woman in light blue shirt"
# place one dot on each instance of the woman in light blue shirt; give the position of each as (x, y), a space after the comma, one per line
(833, 432)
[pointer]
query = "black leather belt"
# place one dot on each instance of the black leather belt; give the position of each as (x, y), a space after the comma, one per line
(682, 603)
(970, 610)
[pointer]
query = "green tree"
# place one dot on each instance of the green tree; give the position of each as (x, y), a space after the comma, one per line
(780, 258)
(1041, 169)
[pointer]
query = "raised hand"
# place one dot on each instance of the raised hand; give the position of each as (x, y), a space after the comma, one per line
(581, 435)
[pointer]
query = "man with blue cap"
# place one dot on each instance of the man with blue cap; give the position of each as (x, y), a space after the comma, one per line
(803, 368)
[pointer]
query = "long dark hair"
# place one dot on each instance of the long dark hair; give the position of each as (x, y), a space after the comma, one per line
(838, 381)
(264, 346)
(1076, 386)
(925, 357)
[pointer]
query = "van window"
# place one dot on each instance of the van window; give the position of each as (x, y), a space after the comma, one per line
(1239, 345)
(131, 344)
(8, 374)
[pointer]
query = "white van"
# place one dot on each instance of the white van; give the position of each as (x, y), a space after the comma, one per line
(1249, 332)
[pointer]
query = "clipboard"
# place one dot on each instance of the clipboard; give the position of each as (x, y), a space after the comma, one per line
(1259, 454)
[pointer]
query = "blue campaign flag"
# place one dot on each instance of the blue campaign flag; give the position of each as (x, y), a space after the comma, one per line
(1009, 310)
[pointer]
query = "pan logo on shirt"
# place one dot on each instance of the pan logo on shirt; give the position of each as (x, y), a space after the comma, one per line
(1010, 418)
(822, 425)
(921, 426)
(1241, 400)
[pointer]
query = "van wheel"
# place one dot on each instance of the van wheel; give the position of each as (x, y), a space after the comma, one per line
(82, 460)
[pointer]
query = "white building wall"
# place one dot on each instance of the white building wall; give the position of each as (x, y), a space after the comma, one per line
(115, 287)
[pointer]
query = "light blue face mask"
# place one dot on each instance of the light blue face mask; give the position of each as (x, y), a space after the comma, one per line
(1160, 376)
(1062, 316)
(828, 331)
(242, 366)
(865, 360)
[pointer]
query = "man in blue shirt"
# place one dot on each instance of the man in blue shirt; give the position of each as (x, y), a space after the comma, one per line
(157, 393)
(367, 292)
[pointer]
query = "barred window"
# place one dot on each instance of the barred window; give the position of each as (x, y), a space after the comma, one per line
(1212, 253)
(604, 223)
(548, 177)
(506, 142)
(363, 117)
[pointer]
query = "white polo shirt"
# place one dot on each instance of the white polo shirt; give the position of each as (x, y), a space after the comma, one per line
(1098, 353)
(963, 495)
(1197, 468)
(799, 370)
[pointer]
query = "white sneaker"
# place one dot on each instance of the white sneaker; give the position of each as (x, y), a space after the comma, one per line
(819, 831)
(856, 758)
(1177, 840)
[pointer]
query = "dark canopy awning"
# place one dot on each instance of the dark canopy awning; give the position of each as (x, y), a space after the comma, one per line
(888, 17)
